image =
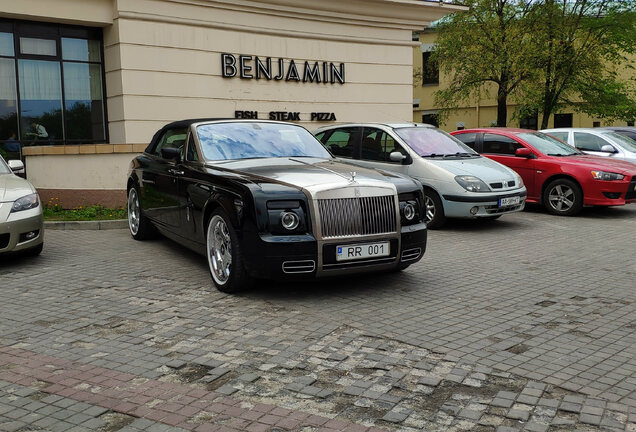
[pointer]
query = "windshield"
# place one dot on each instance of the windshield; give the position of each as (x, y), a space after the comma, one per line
(625, 142)
(428, 142)
(247, 140)
(548, 145)
(4, 168)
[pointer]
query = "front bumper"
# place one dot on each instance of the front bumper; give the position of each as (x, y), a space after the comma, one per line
(296, 257)
(610, 193)
(463, 206)
(16, 229)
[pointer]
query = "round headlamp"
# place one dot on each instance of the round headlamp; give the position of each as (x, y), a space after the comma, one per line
(289, 220)
(409, 212)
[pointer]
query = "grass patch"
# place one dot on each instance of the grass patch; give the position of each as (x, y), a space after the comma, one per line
(54, 212)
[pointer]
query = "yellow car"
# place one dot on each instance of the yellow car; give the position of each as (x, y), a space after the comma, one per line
(21, 220)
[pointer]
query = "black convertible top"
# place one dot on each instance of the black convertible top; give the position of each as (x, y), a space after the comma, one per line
(179, 124)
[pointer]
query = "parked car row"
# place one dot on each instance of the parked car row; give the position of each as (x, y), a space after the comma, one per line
(264, 199)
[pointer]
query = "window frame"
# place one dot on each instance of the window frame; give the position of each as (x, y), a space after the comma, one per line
(53, 31)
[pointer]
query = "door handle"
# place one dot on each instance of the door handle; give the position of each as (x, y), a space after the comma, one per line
(175, 171)
(147, 181)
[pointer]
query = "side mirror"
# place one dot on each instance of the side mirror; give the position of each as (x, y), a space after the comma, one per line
(171, 153)
(16, 165)
(608, 149)
(523, 152)
(396, 156)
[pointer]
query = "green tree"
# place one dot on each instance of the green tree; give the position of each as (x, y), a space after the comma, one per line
(489, 46)
(581, 47)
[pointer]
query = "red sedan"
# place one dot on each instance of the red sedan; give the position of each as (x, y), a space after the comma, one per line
(556, 175)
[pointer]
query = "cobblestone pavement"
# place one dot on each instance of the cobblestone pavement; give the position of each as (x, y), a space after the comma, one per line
(524, 323)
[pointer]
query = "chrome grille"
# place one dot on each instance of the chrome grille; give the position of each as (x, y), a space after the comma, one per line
(343, 217)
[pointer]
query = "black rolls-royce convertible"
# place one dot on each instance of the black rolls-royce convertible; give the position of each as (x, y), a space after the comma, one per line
(264, 199)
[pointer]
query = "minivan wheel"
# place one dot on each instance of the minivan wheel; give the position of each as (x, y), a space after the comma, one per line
(434, 210)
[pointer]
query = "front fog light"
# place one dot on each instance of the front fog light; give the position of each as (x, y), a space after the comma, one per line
(409, 212)
(474, 210)
(289, 220)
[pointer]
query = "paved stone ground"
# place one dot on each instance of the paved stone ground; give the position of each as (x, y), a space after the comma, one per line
(525, 323)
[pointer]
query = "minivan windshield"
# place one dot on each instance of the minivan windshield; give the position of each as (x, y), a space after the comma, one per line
(626, 142)
(4, 168)
(547, 144)
(248, 140)
(428, 142)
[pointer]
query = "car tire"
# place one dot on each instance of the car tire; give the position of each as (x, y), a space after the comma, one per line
(139, 225)
(224, 255)
(563, 197)
(434, 210)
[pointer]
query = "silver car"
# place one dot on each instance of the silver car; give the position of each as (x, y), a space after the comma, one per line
(597, 142)
(21, 220)
(458, 182)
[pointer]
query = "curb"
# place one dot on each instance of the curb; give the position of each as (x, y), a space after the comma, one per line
(86, 225)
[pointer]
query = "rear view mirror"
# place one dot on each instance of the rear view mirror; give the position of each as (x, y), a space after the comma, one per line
(523, 152)
(16, 165)
(608, 149)
(396, 156)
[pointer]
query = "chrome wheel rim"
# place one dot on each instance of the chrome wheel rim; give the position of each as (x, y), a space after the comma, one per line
(561, 198)
(134, 212)
(430, 208)
(219, 250)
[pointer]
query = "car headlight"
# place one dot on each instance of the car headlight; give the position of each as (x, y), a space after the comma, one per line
(607, 176)
(25, 203)
(520, 181)
(286, 217)
(472, 183)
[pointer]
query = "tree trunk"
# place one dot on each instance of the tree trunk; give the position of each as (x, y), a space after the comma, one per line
(502, 107)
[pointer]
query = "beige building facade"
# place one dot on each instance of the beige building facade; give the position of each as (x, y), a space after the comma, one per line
(164, 60)
(479, 112)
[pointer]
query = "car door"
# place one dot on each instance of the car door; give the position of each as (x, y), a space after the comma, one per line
(376, 146)
(193, 193)
(160, 179)
(502, 149)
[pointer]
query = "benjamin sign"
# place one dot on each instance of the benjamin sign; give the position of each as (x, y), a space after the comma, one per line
(251, 67)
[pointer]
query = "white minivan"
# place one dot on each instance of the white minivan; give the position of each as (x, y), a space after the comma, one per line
(597, 142)
(458, 182)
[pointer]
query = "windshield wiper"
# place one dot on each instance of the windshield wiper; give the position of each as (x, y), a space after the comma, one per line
(556, 154)
(462, 154)
(433, 155)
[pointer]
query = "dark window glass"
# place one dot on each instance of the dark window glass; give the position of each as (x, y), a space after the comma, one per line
(470, 139)
(84, 102)
(50, 101)
(342, 141)
(562, 120)
(529, 122)
(499, 144)
(596, 124)
(193, 155)
(174, 138)
(40, 101)
(430, 70)
(432, 119)
(377, 145)
(588, 142)
(8, 107)
(630, 123)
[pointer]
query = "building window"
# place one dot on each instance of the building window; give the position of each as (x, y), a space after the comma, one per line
(52, 91)
(630, 123)
(432, 119)
(529, 122)
(430, 71)
(596, 124)
(562, 120)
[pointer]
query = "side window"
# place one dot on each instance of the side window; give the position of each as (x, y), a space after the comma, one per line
(589, 142)
(470, 139)
(563, 136)
(320, 137)
(171, 138)
(341, 142)
(192, 154)
(377, 145)
(499, 144)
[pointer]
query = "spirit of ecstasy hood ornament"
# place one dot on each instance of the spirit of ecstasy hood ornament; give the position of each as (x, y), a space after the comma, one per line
(353, 177)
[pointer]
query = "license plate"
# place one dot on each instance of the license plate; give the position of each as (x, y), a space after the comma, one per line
(509, 201)
(360, 251)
